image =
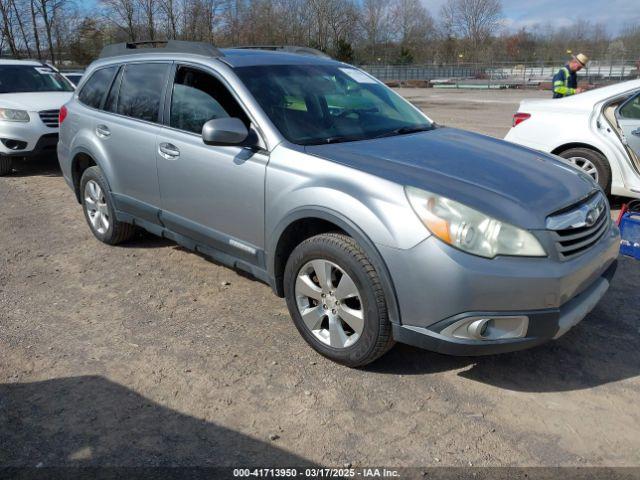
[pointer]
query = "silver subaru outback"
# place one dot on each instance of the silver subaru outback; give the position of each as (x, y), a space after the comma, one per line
(375, 224)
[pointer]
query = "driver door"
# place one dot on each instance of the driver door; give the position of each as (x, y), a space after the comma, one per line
(628, 116)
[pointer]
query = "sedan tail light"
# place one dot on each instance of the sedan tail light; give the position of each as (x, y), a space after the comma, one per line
(519, 117)
(62, 115)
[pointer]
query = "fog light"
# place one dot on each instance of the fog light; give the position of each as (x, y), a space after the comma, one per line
(13, 144)
(496, 327)
(483, 329)
(478, 328)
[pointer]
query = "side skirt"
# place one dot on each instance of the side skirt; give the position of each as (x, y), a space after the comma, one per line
(219, 247)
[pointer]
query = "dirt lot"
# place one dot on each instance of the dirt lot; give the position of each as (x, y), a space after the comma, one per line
(146, 354)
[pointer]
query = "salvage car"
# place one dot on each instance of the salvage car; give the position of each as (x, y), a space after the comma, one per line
(597, 131)
(31, 94)
(376, 224)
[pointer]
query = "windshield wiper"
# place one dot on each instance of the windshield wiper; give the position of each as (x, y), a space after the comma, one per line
(340, 138)
(405, 130)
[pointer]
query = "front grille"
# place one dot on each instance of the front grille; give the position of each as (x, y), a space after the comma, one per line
(573, 241)
(49, 117)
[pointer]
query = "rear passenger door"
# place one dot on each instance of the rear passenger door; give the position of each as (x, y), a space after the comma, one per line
(212, 194)
(629, 120)
(127, 129)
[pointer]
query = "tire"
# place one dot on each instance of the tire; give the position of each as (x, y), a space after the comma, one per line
(362, 318)
(578, 156)
(6, 165)
(99, 203)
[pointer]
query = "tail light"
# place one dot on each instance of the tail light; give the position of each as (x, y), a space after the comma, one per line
(62, 115)
(518, 118)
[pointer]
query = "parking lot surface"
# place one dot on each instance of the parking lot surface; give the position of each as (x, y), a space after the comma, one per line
(147, 354)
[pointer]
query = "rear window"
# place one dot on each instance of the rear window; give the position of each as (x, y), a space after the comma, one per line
(141, 90)
(96, 87)
(32, 78)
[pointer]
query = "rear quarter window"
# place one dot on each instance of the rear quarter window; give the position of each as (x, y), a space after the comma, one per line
(96, 87)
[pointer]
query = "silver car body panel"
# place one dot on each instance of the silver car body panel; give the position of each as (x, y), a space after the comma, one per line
(234, 203)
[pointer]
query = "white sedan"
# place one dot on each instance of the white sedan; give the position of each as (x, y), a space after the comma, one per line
(598, 131)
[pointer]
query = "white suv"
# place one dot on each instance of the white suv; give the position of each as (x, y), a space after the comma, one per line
(31, 94)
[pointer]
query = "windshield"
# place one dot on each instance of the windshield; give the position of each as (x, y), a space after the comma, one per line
(314, 104)
(31, 78)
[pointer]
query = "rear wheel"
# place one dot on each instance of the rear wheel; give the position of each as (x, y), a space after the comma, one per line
(592, 163)
(6, 165)
(99, 211)
(336, 300)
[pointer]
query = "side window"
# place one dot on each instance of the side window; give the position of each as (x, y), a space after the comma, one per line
(198, 97)
(141, 90)
(96, 87)
(631, 109)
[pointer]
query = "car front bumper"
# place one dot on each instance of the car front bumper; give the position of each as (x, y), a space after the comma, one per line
(438, 286)
(31, 138)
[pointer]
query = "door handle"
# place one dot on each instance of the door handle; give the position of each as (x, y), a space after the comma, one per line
(636, 132)
(103, 131)
(168, 151)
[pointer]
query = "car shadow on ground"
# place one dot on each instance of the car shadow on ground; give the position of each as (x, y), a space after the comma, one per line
(36, 167)
(143, 240)
(603, 348)
(91, 421)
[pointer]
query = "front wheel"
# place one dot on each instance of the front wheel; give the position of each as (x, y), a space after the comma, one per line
(335, 298)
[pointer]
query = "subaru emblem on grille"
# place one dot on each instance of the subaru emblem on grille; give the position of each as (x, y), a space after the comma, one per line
(592, 216)
(586, 214)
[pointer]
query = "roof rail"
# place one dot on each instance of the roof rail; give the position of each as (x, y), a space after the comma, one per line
(286, 48)
(161, 46)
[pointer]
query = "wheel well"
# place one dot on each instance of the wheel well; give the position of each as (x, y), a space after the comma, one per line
(568, 146)
(80, 163)
(293, 235)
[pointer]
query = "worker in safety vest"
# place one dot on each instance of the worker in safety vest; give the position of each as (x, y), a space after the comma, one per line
(565, 82)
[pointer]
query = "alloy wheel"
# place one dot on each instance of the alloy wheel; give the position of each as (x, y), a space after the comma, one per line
(96, 207)
(329, 303)
(585, 165)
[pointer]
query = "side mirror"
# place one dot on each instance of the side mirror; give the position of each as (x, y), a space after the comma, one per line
(224, 131)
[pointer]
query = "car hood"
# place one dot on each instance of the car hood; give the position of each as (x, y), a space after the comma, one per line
(506, 181)
(35, 101)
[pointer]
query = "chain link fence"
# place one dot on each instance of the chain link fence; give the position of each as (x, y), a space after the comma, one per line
(494, 75)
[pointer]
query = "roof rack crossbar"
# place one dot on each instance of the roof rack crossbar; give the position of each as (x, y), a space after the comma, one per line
(160, 46)
(286, 48)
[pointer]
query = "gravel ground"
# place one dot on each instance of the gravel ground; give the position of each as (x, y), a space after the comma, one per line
(146, 354)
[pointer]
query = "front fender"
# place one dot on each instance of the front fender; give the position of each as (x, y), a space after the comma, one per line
(378, 206)
(354, 231)
(372, 210)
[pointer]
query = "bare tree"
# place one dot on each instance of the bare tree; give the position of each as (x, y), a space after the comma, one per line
(475, 20)
(149, 9)
(34, 27)
(124, 15)
(47, 9)
(169, 9)
(375, 23)
(18, 16)
(411, 23)
(7, 23)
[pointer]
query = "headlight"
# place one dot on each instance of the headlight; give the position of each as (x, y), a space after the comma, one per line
(10, 115)
(469, 230)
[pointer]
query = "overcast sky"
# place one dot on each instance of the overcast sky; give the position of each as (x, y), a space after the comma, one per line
(526, 13)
